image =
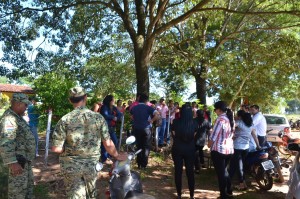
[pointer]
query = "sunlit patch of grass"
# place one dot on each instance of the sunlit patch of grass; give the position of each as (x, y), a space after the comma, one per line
(157, 157)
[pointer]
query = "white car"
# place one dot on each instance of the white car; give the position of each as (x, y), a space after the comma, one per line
(276, 123)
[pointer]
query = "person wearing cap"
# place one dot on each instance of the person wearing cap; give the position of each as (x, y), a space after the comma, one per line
(33, 122)
(77, 138)
(17, 148)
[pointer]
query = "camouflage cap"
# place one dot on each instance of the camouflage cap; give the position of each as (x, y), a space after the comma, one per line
(77, 91)
(21, 97)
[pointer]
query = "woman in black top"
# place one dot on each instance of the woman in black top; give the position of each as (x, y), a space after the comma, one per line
(203, 128)
(183, 150)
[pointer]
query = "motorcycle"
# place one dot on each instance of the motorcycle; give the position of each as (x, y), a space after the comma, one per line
(125, 183)
(294, 179)
(286, 139)
(261, 165)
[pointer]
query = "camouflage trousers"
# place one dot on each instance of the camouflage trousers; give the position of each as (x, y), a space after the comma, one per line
(3, 180)
(80, 177)
(21, 186)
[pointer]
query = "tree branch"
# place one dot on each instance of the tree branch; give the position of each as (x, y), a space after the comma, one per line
(228, 37)
(179, 19)
(126, 19)
(141, 17)
(159, 14)
(63, 7)
(291, 12)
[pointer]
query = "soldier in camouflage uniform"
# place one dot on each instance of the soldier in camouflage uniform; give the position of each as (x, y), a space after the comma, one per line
(16, 140)
(77, 137)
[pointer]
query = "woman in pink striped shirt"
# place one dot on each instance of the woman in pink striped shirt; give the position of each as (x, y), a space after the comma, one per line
(221, 145)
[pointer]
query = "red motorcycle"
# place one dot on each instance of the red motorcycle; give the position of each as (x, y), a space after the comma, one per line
(291, 146)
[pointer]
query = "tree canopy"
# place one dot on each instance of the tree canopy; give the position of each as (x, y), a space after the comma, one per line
(71, 36)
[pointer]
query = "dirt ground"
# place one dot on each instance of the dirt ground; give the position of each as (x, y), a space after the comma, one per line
(157, 180)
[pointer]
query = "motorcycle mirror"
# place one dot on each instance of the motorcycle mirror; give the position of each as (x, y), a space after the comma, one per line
(130, 140)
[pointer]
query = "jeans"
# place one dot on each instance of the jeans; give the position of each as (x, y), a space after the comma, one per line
(113, 137)
(237, 163)
(220, 162)
(167, 133)
(143, 141)
(36, 137)
(261, 140)
(184, 153)
(161, 133)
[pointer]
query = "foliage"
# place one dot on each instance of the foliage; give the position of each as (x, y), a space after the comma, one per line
(195, 46)
(172, 83)
(53, 91)
(293, 106)
(107, 75)
(4, 101)
(3, 80)
(255, 71)
(72, 32)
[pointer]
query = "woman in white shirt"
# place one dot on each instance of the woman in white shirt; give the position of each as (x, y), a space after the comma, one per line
(242, 136)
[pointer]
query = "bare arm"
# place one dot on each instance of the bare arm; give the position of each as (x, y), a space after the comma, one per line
(57, 149)
(111, 149)
(253, 133)
(156, 114)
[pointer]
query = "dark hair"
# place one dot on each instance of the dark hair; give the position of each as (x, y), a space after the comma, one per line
(76, 99)
(161, 100)
(188, 104)
(246, 117)
(223, 107)
(143, 98)
(107, 100)
(255, 106)
(153, 102)
(185, 126)
(200, 116)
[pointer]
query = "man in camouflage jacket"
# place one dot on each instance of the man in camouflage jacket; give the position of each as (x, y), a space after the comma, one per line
(17, 148)
(77, 137)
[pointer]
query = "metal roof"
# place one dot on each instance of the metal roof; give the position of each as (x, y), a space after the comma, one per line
(11, 88)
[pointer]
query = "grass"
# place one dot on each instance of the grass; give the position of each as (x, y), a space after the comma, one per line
(157, 157)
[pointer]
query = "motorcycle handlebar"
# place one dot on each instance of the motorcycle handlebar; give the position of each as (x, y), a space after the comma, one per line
(140, 150)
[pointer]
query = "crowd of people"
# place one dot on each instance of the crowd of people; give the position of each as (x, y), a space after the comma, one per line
(80, 134)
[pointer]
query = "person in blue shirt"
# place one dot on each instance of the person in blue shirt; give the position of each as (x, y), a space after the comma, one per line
(111, 114)
(143, 117)
(33, 123)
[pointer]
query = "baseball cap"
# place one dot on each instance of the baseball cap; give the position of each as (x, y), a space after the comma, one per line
(21, 97)
(77, 91)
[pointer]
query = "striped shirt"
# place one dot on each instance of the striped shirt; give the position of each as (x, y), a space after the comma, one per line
(222, 136)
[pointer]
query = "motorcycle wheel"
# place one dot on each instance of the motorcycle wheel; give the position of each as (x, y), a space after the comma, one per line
(263, 179)
(278, 170)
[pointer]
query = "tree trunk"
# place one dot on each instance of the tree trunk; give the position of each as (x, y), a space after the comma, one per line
(142, 76)
(201, 88)
(142, 59)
